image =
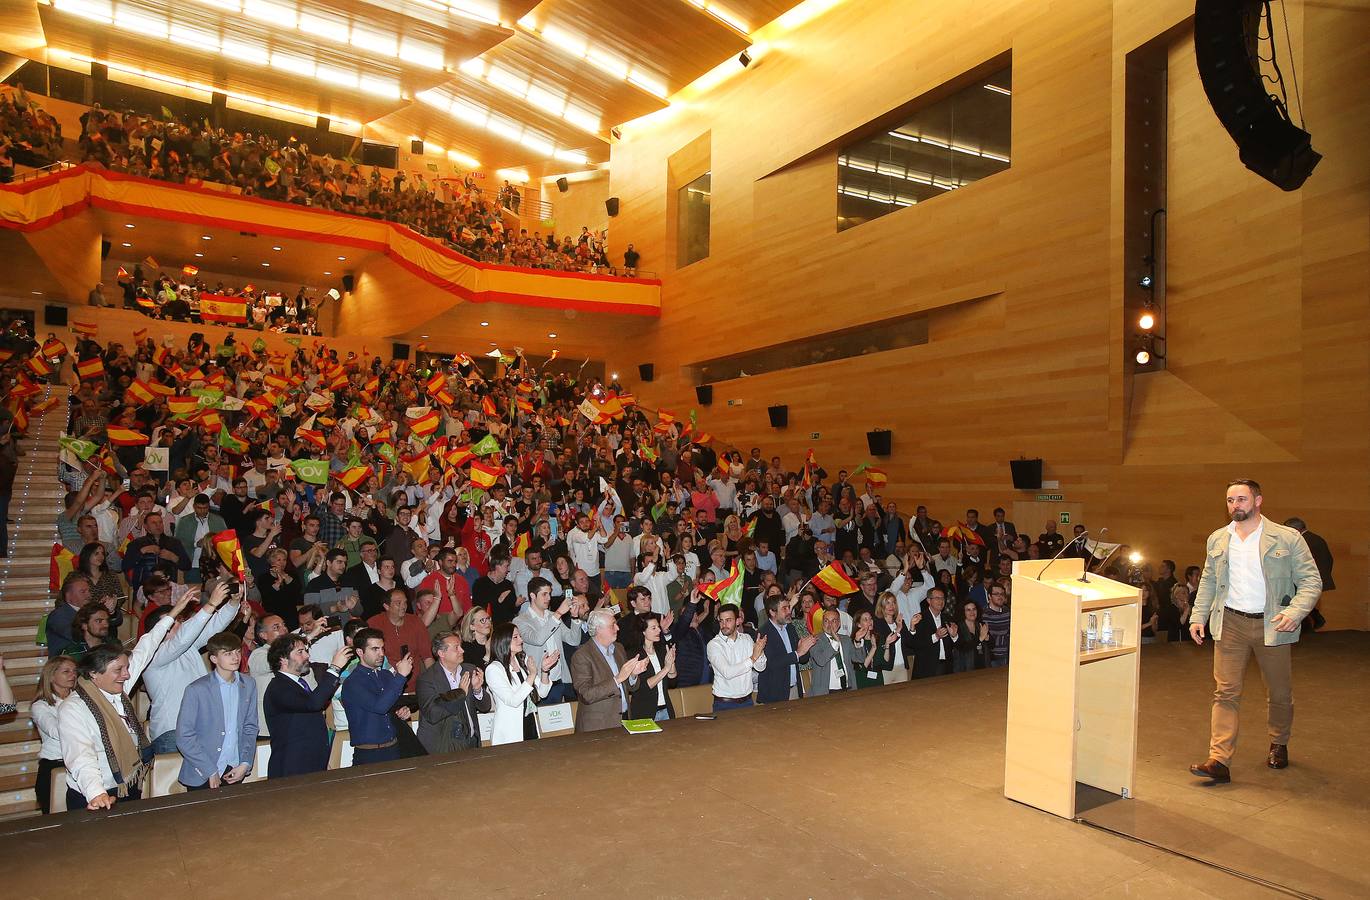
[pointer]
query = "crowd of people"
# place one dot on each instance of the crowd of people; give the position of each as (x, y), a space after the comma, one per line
(178, 297)
(356, 544)
(456, 211)
(28, 135)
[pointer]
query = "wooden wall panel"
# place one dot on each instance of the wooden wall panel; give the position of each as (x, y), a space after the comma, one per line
(1268, 290)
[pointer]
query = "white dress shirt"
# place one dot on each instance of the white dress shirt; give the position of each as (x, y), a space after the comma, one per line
(837, 674)
(936, 624)
(585, 550)
(656, 581)
(1245, 575)
(178, 662)
(83, 753)
(44, 717)
(731, 659)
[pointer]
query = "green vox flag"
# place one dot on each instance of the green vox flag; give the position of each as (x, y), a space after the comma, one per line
(82, 449)
(485, 446)
(313, 471)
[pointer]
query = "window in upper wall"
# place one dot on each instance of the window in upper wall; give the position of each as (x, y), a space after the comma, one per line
(692, 223)
(944, 146)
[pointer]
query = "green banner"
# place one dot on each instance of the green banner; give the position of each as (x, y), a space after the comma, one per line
(312, 471)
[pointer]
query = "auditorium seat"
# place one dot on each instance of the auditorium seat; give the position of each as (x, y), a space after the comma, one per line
(340, 755)
(57, 794)
(166, 769)
(695, 700)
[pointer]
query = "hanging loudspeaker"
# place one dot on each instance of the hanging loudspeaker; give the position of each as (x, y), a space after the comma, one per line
(704, 393)
(563, 185)
(780, 416)
(645, 371)
(878, 442)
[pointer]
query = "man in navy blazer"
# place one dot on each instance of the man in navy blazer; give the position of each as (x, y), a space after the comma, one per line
(294, 710)
(785, 652)
(216, 729)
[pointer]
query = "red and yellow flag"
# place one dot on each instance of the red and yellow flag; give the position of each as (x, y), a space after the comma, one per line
(354, 478)
(139, 335)
(221, 308)
(60, 566)
(125, 437)
(835, 582)
(139, 392)
(484, 476)
(90, 368)
(230, 552)
(524, 405)
(426, 424)
(876, 477)
(525, 540)
(487, 406)
(313, 438)
(39, 366)
(182, 406)
(459, 456)
(54, 349)
(85, 329)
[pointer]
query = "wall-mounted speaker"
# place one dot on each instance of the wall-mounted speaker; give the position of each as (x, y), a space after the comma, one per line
(704, 393)
(780, 416)
(347, 282)
(54, 315)
(563, 185)
(611, 206)
(399, 351)
(1027, 474)
(878, 442)
(1225, 47)
(416, 148)
(645, 371)
(104, 249)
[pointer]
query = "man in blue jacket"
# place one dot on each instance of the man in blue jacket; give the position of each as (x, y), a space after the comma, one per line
(785, 652)
(369, 694)
(216, 730)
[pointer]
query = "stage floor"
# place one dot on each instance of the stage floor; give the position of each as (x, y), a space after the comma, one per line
(889, 792)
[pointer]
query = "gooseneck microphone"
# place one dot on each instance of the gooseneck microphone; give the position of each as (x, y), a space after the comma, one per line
(1084, 574)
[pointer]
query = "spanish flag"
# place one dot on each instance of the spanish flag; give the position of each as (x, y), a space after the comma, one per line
(60, 566)
(524, 405)
(85, 329)
(426, 424)
(418, 465)
(89, 368)
(122, 275)
(487, 406)
(521, 545)
(210, 420)
(963, 533)
(230, 552)
(138, 392)
(145, 303)
(276, 382)
(355, 478)
(139, 335)
(876, 477)
(39, 366)
(189, 271)
(484, 476)
(834, 582)
(727, 590)
(459, 456)
(313, 438)
(54, 349)
(182, 406)
(125, 437)
(220, 308)
(666, 416)
(39, 408)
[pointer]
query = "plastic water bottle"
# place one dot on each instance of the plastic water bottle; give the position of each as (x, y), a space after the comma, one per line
(1092, 632)
(1106, 633)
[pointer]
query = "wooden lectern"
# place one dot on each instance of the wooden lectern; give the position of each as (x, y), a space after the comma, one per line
(1072, 711)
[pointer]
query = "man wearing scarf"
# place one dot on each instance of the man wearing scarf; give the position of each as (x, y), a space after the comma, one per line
(104, 746)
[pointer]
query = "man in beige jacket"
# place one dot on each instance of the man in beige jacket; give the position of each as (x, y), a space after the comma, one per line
(1259, 581)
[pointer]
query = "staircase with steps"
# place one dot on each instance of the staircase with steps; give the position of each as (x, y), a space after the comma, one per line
(25, 599)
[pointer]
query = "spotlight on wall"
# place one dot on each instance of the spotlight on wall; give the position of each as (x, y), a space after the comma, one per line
(1145, 282)
(1150, 349)
(1147, 320)
(616, 133)
(745, 58)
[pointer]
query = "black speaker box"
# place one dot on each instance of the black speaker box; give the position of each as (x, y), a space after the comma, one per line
(611, 206)
(563, 185)
(399, 351)
(645, 371)
(878, 442)
(1027, 474)
(347, 283)
(104, 249)
(780, 416)
(1226, 50)
(416, 148)
(54, 314)
(704, 393)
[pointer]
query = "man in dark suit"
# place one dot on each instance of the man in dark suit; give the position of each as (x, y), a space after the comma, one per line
(1004, 531)
(785, 651)
(451, 695)
(932, 642)
(987, 533)
(295, 711)
(1322, 558)
(603, 675)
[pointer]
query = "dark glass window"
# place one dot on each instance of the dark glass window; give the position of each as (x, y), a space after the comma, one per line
(944, 146)
(692, 222)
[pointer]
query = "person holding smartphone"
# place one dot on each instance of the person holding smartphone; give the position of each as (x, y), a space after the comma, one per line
(369, 694)
(216, 729)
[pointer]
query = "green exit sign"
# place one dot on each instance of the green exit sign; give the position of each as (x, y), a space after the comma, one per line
(1065, 518)
(1051, 497)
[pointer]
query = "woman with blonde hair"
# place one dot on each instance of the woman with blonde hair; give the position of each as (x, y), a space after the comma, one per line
(54, 685)
(888, 621)
(475, 636)
(734, 542)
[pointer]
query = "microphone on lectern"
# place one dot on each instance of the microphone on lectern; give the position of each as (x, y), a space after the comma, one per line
(1059, 553)
(1084, 575)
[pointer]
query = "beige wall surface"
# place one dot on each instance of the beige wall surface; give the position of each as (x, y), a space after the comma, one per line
(1268, 373)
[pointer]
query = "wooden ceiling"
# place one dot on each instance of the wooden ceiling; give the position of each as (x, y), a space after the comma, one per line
(606, 61)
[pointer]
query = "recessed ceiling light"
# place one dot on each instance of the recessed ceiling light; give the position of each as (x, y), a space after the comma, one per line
(423, 335)
(484, 324)
(266, 265)
(234, 258)
(205, 237)
(551, 334)
(328, 273)
(275, 248)
(127, 244)
(342, 259)
(129, 225)
(199, 254)
(36, 293)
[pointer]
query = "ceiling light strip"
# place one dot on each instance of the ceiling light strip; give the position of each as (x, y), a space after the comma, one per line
(610, 63)
(515, 132)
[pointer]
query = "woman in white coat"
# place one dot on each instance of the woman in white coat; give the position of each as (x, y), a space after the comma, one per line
(512, 686)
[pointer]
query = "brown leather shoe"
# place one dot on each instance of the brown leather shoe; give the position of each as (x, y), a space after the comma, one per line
(1213, 770)
(1279, 757)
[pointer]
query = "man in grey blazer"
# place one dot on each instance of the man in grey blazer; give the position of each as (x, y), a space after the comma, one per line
(1259, 581)
(216, 730)
(451, 696)
(832, 656)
